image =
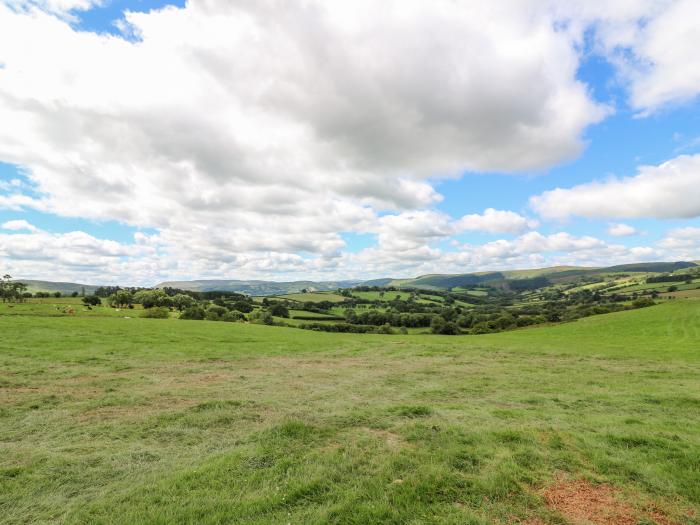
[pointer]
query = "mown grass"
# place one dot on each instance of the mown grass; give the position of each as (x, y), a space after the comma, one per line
(112, 420)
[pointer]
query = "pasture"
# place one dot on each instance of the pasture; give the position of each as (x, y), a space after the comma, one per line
(125, 420)
(310, 297)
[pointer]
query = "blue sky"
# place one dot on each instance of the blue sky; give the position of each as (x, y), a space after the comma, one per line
(184, 143)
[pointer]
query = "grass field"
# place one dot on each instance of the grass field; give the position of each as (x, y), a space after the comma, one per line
(379, 296)
(312, 297)
(112, 420)
(66, 307)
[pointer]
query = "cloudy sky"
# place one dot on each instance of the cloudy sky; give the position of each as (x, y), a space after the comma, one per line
(145, 140)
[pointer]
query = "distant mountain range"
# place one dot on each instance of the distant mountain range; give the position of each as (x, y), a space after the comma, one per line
(51, 286)
(553, 274)
(257, 287)
(432, 281)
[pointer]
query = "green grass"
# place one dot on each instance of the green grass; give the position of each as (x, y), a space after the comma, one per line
(60, 307)
(313, 297)
(379, 296)
(478, 293)
(111, 420)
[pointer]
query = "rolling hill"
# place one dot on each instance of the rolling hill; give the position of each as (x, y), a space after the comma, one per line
(553, 274)
(257, 287)
(34, 286)
(556, 274)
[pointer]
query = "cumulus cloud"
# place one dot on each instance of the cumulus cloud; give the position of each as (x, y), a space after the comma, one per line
(621, 230)
(659, 56)
(275, 126)
(251, 135)
(668, 190)
(496, 221)
(681, 239)
(18, 224)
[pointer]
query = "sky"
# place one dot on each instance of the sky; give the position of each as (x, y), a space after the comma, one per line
(151, 140)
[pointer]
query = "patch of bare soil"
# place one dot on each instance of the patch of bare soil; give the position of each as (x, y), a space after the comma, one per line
(582, 503)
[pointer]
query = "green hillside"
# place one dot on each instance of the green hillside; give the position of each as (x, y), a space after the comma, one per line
(34, 286)
(258, 288)
(554, 274)
(125, 420)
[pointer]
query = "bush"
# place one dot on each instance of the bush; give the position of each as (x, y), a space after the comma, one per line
(261, 317)
(215, 313)
(643, 302)
(243, 306)
(156, 313)
(384, 329)
(233, 316)
(193, 313)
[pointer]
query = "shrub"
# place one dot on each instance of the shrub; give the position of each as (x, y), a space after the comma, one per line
(233, 316)
(156, 313)
(193, 313)
(261, 317)
(643, 302)
(384, 329)
(243, 306)
(214, 313)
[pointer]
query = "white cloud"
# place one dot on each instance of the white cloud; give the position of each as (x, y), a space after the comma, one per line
(682, 239)
(61, 8)
(621, 230)
(496, 221)
(658, 55)
(668, 190)
(251, 134)
(18, 224)
(243, 128)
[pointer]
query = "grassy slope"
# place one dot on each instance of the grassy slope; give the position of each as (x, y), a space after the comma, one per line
(110, 420)
(50, 286)
(309, 297)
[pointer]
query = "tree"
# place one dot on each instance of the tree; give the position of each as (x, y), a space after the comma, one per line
(121, 299)
(351, 316)
(57, 295)
(194, 313)
(279, 310)
(215, 313)
(151, 298)
(437, 324)
(12, 291)
(92, 300)
(181, 301)
(243, 306)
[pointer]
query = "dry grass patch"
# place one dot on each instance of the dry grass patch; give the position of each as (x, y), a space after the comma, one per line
(583, 503)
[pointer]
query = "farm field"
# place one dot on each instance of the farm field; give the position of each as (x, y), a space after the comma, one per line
(382, 296)
(313, 297)
(114, 420)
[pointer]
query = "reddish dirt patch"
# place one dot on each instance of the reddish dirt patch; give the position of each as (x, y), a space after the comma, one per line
(580, 502)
